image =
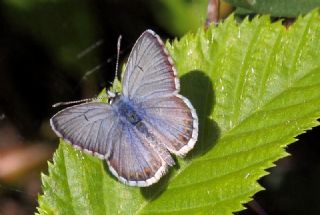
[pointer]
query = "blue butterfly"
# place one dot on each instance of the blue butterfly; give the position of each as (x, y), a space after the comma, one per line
(139, 127)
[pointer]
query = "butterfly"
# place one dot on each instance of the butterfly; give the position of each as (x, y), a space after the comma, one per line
(138, 129)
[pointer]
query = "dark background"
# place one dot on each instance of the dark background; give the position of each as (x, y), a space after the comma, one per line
(60, 50)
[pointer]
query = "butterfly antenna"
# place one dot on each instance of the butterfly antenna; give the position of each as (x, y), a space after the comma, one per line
(72, 102)
(118, 54)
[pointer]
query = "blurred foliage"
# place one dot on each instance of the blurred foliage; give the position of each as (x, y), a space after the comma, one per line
(180, 16)
(69, 26)
(65, 28)
(29, 4)
(275, 8)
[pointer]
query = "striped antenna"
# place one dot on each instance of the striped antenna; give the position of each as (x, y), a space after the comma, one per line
(118, 54)
(72, 102)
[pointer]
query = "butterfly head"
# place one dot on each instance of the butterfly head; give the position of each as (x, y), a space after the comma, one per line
(112, 96)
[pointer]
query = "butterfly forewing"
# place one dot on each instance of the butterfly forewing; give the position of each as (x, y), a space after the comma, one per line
(88, 126)
(149, 72)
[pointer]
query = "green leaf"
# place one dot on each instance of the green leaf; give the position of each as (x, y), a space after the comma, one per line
(255, 86)
(283, 8)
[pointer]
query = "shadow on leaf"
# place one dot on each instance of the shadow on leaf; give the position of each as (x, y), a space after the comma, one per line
(197, 87)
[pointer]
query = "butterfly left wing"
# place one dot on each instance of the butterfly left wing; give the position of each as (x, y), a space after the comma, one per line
(89, 127)
(150, 71)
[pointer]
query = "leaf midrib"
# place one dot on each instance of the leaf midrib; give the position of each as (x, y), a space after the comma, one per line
(298, 47)
(236, 106)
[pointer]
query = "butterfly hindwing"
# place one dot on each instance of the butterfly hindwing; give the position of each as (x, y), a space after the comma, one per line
(173, 121)
(134, 161)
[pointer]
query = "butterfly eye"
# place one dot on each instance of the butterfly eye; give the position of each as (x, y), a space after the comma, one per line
(110, 100)
(113, 97)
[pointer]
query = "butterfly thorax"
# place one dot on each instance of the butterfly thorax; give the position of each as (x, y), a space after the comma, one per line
(126, 111)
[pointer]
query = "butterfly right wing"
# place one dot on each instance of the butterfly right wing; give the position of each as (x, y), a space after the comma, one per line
(89, 127)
